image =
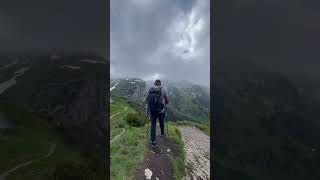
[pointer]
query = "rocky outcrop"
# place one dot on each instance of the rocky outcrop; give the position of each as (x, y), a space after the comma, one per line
(132, 89)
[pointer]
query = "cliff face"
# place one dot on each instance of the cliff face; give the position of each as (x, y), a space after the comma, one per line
(132, 89)
(86, 118)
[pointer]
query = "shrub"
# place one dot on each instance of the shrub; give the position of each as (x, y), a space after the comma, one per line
(120, 124)
(136, 120)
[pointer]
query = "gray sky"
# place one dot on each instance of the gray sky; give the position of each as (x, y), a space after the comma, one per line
(166, 39)
(53, 25)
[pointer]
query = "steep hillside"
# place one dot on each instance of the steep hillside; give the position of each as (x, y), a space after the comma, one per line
(127, 143)
(32, 149)
(188, 101)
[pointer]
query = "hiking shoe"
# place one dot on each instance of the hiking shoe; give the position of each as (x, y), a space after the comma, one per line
(162, 135)
(153, 145)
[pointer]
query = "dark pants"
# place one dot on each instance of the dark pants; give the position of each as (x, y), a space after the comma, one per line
(154, 117)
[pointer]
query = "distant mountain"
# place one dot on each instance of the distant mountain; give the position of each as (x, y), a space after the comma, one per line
(133, 89)
(188, 101)
(265, 127)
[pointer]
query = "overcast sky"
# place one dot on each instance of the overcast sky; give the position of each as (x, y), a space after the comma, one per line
(53, 25)
(281, 34)
(166, 39)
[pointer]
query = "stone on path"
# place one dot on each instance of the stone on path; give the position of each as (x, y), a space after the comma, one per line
(148, 173)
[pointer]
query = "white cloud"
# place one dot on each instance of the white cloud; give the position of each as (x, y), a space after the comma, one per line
(152, 77)
(189, 29)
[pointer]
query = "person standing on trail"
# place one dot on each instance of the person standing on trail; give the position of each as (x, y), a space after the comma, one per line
(157, 99)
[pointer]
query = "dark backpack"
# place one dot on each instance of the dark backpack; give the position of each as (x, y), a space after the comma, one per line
(155, 100)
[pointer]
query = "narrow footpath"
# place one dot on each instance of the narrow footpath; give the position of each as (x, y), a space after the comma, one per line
(12, 170)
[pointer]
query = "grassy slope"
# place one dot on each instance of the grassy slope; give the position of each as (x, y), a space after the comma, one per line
(129, 149)
(118, 122)
(29, 140)
(178, 165)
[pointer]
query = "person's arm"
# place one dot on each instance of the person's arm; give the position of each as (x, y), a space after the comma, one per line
(147, 97)
(166, 98)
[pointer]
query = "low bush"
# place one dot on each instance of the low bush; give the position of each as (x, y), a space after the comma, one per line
(135, 120)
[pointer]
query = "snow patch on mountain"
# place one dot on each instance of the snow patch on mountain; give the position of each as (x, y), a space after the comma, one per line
(92, 61)
(5, 85)
(70, 67)
(113, 87)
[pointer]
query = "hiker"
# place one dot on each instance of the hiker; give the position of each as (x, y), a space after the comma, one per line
(157, 99)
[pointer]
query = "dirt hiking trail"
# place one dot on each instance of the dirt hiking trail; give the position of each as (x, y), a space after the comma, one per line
(123, 130)
(125, 109)
(158, 161)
